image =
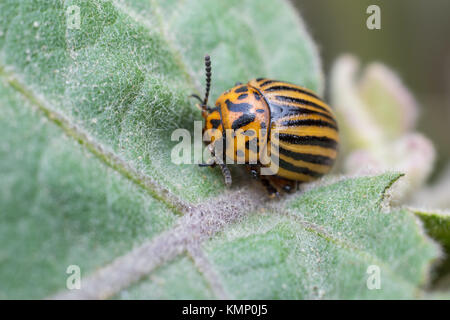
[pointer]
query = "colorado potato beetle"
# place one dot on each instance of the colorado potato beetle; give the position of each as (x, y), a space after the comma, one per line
(277, 119)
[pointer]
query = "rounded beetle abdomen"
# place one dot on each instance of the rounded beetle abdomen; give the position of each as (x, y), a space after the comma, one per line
(304, 135)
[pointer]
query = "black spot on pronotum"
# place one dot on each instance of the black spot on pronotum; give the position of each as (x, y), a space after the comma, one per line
(260, 110)
(215, 123)
(241, 89)
(243, 120)
(238, 107)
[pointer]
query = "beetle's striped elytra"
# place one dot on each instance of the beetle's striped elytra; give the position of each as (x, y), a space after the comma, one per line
(282, 119)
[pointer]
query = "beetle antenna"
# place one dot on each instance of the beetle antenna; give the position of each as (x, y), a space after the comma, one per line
(208, 81)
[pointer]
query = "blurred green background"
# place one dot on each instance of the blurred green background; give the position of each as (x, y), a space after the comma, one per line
(414, 41)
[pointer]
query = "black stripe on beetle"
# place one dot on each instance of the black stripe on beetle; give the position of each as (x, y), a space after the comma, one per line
(215, 123)
(308, 122)
(324, 142)
(241, 89)
(237, 107)
(243, 120)
(243, 96)
(293, 168)
(300, 101)
(307, 157)
(278, 111)
(287, 88)
(265, 83)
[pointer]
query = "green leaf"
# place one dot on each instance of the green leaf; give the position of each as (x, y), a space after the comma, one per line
(169, 282)
(60, 205)
(320, 245)
(317, 245)
(437, 225)
(124, 77)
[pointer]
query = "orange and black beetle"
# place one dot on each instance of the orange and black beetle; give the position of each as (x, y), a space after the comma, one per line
(276, 119)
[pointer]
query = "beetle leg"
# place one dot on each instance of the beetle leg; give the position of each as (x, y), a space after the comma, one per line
(225, 170)
(208, 164)
(269, 187)
(213, 161)
(287, 186)
(226, 174)
(254, 171)
(223, 167)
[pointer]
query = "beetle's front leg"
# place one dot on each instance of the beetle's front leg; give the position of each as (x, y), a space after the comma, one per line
(214, 160)
(211, 162)
(283, 185)
(271, 190)
(254, 171)
(223, 167)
